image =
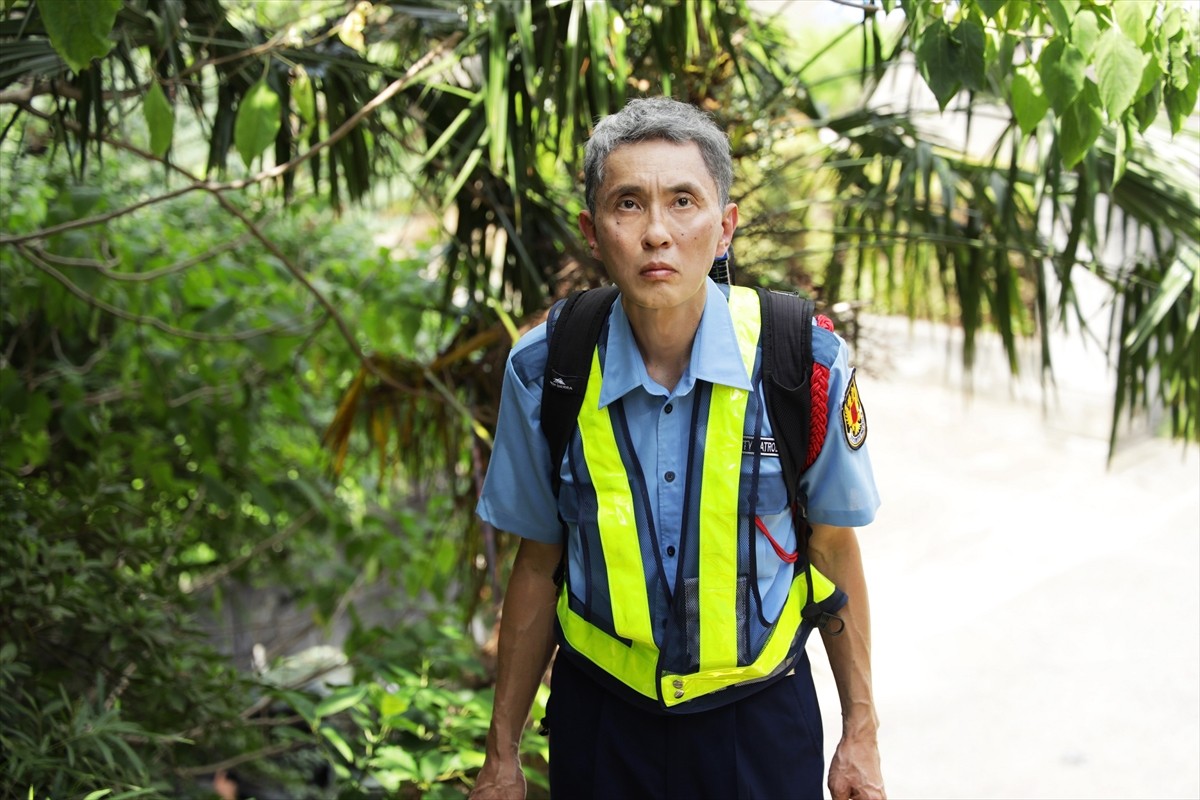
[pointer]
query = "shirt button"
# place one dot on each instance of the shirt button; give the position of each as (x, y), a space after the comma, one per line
(670, 550)
(668, 408)
(670, 476)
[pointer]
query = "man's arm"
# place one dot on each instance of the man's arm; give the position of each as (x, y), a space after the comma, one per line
(525, 645)
(854, 771)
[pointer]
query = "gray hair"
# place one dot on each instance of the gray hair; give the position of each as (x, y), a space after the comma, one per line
(657, 119)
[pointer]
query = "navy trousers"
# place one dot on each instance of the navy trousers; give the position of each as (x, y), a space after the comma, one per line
(767, 746)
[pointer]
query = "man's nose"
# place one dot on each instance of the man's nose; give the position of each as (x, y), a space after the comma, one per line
(656, 234)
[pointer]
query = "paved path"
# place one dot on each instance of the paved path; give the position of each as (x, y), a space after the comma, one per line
(1036, 612)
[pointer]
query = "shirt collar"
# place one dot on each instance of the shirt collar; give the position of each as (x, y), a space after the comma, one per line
(715, 358)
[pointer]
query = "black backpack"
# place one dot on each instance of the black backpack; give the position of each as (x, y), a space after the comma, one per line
(572, 330)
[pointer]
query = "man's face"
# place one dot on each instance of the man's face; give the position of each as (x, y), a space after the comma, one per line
(658, 224)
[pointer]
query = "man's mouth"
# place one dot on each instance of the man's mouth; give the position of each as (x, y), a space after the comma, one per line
(657, 269)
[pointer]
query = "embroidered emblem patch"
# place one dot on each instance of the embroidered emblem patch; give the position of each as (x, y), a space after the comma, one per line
(854, 417)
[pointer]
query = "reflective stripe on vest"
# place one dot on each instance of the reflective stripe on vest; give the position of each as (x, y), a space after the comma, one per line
(634, 659)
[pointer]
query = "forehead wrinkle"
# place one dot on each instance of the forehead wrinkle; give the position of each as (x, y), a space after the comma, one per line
(680, 187)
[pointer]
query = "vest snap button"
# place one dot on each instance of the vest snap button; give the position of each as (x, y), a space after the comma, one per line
(678, 684)
(678, 693)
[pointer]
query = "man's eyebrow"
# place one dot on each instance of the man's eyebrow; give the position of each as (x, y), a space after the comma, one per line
(624, 189)
(689, 187)
(684, 186)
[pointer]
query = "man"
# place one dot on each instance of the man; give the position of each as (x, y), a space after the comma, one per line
(680, 671)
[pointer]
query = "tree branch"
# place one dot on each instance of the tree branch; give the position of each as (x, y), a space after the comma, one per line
(98, 219)
(241, 758)
(209, 578)
(865, 7)
(108, 271)
(153, 322)
(217, 188)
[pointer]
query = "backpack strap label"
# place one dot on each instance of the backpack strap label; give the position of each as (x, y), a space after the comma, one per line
(766, 447)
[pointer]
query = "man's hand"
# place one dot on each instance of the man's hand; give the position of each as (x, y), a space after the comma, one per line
(854, 772)
(499, 781)
(525, 646)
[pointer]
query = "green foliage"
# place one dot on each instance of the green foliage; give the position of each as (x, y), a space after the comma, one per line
(79, 29)
(97, 645)
(952, 59)
(258, 121)
(1098, 60)
(160, 119)
(177, 346)
(411, 731)
(150, 466)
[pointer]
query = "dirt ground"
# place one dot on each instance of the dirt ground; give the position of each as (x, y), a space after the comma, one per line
(1036, 610)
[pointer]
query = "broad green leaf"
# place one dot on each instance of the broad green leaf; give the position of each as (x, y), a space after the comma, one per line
(352, 27)
(1029, 102)
(79, 29)
(1062, 12)
(970, 42)
(1078, 129)
(160, 119)
(990, 8)
(391, 705)
(302, 705)
(1014, 14)
(343, 698)
(1119, 67)
(1180, 103)
(1085, 32)
(1145, 110)
(302, 93)
(1062, 70)
(1151, 73)
(1130, 15)
(334, 738)
(940, 62)
(257, 121)
(390, 757)
(1172, 22)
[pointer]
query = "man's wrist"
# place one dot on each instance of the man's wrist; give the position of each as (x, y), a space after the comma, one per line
(862, 725)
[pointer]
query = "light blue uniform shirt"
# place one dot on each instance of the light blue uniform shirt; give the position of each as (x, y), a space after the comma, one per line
(517, 494)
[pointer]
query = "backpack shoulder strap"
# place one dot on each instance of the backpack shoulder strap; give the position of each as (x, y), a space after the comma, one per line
(572, 330)
(787, 374)
(787, 321)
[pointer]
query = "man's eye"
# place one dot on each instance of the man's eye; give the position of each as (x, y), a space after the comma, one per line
(684, 201)
(627, 203)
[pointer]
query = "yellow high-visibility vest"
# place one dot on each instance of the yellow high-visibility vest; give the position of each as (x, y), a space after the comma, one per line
(627, 647)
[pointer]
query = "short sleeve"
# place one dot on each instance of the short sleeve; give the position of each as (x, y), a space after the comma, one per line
(517, 496)
(840, 483)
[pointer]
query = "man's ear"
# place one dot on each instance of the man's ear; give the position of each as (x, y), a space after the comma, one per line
(588, 226)
(729, 224)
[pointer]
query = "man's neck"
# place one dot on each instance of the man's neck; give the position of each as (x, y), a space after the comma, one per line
(664, 338)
